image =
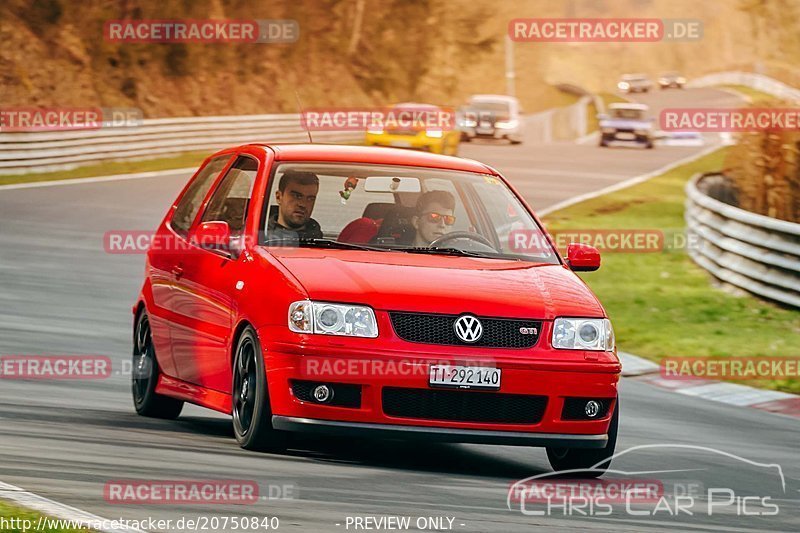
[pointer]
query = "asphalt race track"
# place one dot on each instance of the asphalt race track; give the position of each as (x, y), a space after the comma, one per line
(60, 293)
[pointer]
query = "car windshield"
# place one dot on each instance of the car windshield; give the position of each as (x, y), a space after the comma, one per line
(398, 208)
(627, 113)
(492, 107)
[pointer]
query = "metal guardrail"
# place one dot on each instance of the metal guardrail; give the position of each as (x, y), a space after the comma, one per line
(758, 82)
(42, 151)
(754, 252)
(27, 152)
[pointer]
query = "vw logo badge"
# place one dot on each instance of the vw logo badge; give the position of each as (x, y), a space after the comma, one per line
(468, 328)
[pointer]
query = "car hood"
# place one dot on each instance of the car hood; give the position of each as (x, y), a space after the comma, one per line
(393, 281)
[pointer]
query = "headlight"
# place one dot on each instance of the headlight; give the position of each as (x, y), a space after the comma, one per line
(434, 133)
(375, 131)
(506, 125)
(583, 334)
(332, 319)
(623, 85)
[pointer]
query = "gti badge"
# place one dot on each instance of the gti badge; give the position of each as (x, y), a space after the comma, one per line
(468, 328)
(528, 331)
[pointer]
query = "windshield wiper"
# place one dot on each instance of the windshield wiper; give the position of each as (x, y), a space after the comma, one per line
(445, 251)
(330, 243)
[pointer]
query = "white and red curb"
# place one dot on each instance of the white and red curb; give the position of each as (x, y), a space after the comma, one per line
(718, 391)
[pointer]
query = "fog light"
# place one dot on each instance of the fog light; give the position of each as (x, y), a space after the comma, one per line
(591, 409)
(324, 394)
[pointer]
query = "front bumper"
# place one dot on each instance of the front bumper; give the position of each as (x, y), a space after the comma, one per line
(490, 133)
(636, 139)
(428, 434)
(541, 372)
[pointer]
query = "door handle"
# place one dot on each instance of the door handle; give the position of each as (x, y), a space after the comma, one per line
(177, 272)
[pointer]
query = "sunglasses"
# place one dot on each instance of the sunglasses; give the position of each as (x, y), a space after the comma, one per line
(434, 218)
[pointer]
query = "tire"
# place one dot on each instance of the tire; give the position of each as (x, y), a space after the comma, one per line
(584, 458)
(649, 145)
(517, 141)
(251, 412)
(144, 375)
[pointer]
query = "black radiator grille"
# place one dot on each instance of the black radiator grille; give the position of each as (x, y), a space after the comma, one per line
(438, 329)
(462, 406)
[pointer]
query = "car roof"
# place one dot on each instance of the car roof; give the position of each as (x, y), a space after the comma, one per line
(374, 155)
(492, 97)
(625, 105)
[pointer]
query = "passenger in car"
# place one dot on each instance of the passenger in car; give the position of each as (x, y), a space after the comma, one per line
(433, 217)
(296, 195)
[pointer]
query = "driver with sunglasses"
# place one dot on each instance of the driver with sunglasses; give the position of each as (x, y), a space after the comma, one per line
(433, 218)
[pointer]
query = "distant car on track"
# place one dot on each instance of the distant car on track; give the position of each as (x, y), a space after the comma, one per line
(492, 116)
(634, 83)
(627, 123)
(361, 291)
(671, 79)
(428, 138)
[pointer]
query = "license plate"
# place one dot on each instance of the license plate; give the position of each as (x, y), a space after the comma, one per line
(464, 377)
(401, 144)
(626, 136)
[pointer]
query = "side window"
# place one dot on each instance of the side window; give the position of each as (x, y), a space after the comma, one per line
(230, 201)
(189, 204)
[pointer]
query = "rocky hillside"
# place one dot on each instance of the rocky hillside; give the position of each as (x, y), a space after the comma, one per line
(354, 52)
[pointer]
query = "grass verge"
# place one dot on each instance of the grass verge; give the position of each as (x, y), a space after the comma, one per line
(662, 303)
(15, 519)
(110, 168)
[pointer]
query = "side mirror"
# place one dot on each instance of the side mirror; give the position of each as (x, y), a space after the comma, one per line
(582, 257)
(215, 235)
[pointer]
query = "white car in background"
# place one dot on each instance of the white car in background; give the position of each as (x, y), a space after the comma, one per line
(634, 83)
(492, 116)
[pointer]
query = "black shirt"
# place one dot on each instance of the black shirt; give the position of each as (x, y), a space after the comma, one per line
(275, 231)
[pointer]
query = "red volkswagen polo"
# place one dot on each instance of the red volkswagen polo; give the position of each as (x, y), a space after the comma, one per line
(373, 292)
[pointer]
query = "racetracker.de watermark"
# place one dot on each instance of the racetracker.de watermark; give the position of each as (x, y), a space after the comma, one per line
(16, 119)
(596, 30)
(55, 367)
(269, 31)
(730, 120)
(182, 492)
(731, 368)
(622, 240)
(379, 119)
(331, 368)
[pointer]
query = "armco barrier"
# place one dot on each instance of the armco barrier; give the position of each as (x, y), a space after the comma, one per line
(756, 253)
(759, 82)
(42, 151)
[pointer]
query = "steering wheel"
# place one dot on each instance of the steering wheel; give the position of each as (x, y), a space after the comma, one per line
(475, 237)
